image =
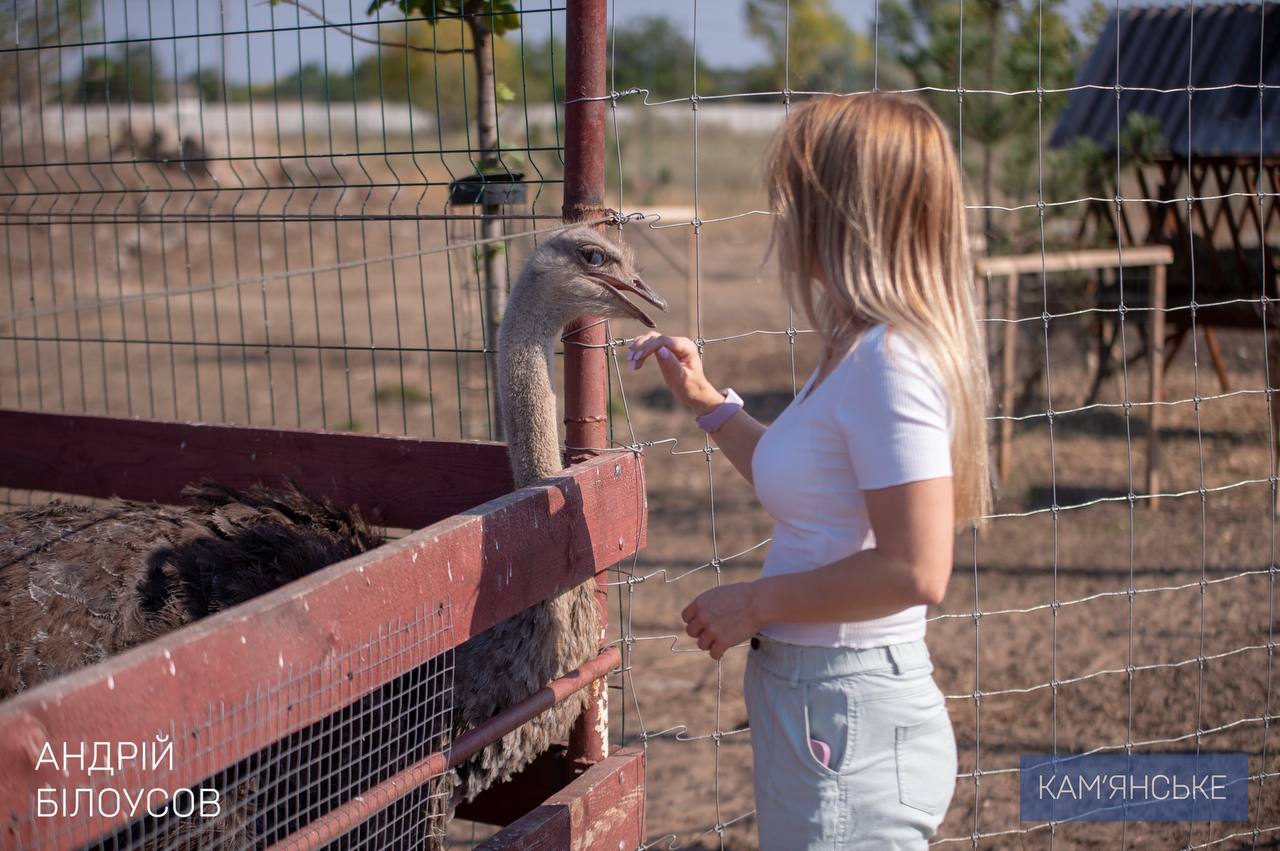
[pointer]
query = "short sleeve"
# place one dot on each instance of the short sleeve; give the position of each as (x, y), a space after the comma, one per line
(894, 413)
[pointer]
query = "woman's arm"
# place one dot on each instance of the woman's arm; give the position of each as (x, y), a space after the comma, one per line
(737, 439)
(909, 566)
(681, 368)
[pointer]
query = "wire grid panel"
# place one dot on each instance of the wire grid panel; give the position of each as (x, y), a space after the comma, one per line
(312, 787)
(245, 212)
(1078, 619)
(241, 211)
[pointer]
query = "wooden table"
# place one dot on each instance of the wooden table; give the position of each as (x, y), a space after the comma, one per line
(1156, 257)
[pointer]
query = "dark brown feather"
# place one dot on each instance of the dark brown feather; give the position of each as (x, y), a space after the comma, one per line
(81, 583)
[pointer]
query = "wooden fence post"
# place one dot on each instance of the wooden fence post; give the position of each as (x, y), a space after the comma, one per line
(1008, 373)
(1155, 382)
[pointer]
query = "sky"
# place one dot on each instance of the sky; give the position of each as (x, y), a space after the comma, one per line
(721, 33)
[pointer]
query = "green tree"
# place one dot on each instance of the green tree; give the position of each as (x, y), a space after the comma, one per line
(130, 73)
(309, 82)
(313, 82)
(1008, 46)
(47, 24)
(471, 28)
(815, 50)
(437, 74)
(652, 53)
(207, 83)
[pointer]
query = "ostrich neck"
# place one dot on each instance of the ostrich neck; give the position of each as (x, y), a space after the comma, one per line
(528, 401)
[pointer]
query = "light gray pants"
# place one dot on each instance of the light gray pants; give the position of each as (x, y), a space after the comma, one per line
(893, 754)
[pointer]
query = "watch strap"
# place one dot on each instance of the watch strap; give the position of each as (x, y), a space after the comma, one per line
(712, 420)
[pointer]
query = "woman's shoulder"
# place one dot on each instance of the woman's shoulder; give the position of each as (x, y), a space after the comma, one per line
(889, 367)
(886, 348)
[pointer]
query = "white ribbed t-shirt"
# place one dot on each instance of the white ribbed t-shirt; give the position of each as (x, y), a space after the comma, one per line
(880, 418)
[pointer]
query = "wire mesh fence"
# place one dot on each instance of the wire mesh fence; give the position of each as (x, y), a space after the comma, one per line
(226, 212)
(241, 212)
(311, 784)
(1078, 618)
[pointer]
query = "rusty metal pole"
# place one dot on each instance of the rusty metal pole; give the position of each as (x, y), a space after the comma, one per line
(586, 413)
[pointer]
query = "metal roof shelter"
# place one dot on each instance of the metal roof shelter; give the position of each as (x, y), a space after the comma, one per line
(1208, 78)
(1195, 70)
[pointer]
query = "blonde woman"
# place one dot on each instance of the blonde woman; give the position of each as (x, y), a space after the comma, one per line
(867, 474)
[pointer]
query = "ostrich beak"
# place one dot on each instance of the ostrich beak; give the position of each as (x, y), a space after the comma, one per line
(615, 286)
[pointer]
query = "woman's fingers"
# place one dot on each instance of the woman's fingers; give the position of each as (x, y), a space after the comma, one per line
(635, 346)
(640, 353)
(640, 343)
(696, 627)
(643, 338)
(690, 611)
(682, 348)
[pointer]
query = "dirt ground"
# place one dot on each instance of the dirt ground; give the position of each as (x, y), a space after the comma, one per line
(1095, 612)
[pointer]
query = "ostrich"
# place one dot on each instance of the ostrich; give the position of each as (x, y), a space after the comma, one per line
(578, 272)
(80, 583)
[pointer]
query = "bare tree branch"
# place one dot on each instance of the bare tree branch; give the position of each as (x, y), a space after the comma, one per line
(350, 33)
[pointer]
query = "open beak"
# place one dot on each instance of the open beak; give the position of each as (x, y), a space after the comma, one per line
(616, 286)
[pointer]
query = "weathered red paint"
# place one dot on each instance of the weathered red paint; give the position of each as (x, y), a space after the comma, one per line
(400, 481)
(340, 820)
(586, 26)
(585, 368)
(602, 809)
(484, 564)
(586, 412)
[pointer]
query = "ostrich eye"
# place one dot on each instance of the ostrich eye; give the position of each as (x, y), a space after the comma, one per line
(591, 256)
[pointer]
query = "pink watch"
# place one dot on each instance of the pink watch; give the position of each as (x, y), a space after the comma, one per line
(713, 419)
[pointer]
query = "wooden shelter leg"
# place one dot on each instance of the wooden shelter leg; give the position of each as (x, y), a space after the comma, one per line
(1273, 372)
(1007, 373)
(1156, 382)
(1215, 354)
(1104, 353)
(1174, 345)
(981, 285)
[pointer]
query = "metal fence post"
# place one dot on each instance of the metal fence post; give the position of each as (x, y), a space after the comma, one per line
(586, 413)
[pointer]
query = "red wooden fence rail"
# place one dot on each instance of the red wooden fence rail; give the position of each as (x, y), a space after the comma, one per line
(602, 810)
(483, 564)
(406, 482)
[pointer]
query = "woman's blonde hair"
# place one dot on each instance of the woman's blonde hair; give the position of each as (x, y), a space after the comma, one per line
(869, 227)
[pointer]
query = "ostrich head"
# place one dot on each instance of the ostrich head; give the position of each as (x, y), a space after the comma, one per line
(578, 272)
(581, 272)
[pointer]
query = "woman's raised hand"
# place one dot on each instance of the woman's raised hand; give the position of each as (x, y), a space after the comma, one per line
(681, 367)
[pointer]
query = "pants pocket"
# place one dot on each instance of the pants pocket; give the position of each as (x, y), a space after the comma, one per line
(925, 753)
(829, 717)
(797, 799)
